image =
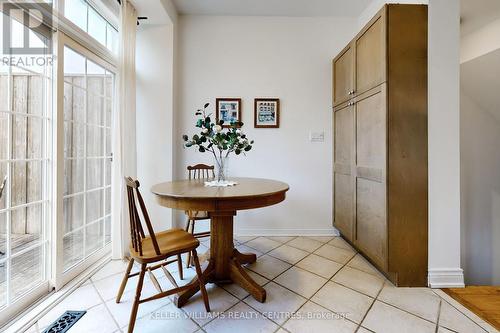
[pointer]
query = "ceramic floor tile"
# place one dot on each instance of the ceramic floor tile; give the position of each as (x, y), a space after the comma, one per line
(166, 319)
(319, 265)
(388, 319)
(108, 287)
(121, 311)
(334, 253)
(220, 300)
(244, 239)
(322, 239)
(314, 318)
(289, 254)
(344, 301)
(363, 330)
(282, 239)
(269, 267)
(455, 320)
(263, 244)
(241, 319)
(301, 281)
(419, 301)
(451, 301)
(279, 302)
(341, 243)
(360, 281)
(443, 330)
(111, 268)
(96, 319)
(241, 293)
(306, 244)
(245, 249)
(82, 298)
(362, 264)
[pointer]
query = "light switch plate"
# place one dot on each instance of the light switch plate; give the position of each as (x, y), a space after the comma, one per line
(317, 136)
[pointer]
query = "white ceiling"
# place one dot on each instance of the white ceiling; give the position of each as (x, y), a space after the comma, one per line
(480, 79)
(152, 9)
(351, 8)
(477, 13)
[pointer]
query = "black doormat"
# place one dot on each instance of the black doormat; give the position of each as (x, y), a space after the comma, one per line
(64, 323)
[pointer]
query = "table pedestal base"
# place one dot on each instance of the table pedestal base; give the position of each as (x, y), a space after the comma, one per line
(224, 265)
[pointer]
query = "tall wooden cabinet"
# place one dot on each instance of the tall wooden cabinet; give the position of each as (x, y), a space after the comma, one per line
(380, 143)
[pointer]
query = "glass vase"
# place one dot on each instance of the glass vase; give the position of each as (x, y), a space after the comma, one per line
(221, 169)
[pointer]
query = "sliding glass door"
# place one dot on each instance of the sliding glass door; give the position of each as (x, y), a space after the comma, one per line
(25, 157)
(86, 106)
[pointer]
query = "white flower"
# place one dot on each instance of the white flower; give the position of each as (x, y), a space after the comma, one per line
(242, 141)
(204, 131)
(218, 128)
(238, 131)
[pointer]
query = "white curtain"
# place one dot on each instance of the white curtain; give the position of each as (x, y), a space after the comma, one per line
(124, 140)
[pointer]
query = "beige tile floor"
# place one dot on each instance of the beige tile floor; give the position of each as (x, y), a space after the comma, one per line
(313, 284)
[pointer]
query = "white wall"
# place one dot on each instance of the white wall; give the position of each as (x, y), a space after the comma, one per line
(444, 144)
(480, 156)
(155, 115)
(480, 42)
(288, 58)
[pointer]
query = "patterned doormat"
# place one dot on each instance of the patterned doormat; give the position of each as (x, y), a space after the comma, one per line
(64, 323)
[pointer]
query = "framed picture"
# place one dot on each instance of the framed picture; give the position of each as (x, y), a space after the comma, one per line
(267, 113)
(228, 109)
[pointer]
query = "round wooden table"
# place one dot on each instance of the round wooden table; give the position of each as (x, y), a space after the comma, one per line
(222, 203)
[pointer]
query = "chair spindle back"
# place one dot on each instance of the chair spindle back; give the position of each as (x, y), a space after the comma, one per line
(201, 171)
(136, 230)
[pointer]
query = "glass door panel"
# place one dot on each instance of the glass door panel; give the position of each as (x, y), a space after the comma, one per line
(87, 104)
(25, 160)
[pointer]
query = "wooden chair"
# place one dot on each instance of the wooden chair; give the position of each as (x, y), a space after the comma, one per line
(150, 249)
(198, 171)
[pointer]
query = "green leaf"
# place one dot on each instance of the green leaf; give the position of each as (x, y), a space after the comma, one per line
(206, 105)
(221, 122)
(199, 122)
(201, 149)
(203, 139)
(237, 151)
(247, 148)
(185, 137)
(189, 144)
(196, 138)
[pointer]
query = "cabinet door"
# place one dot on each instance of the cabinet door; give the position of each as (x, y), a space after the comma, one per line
(370, 55)
(343, 166)
(343, 75)
(371, 161)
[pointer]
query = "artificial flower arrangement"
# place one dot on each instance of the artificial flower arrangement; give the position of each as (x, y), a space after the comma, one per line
(219, 141)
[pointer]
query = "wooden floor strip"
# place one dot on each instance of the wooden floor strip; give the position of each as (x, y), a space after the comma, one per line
(484, 301)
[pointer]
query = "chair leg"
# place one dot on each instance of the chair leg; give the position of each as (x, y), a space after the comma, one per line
(135, 307)
(189, 261)
(179, 265)
(187, 225)
(204, 293)
(124, 280)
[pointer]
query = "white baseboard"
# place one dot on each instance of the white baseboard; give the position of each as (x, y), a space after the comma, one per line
(446, 278)
(287, 232)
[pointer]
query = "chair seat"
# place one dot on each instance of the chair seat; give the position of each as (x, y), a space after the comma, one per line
(170, 242)
(197, 215)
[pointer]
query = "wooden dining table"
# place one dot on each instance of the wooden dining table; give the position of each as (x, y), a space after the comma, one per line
(225, 262)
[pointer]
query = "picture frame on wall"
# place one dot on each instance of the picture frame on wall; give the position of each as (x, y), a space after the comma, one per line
(267, 113)
(228, 109)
